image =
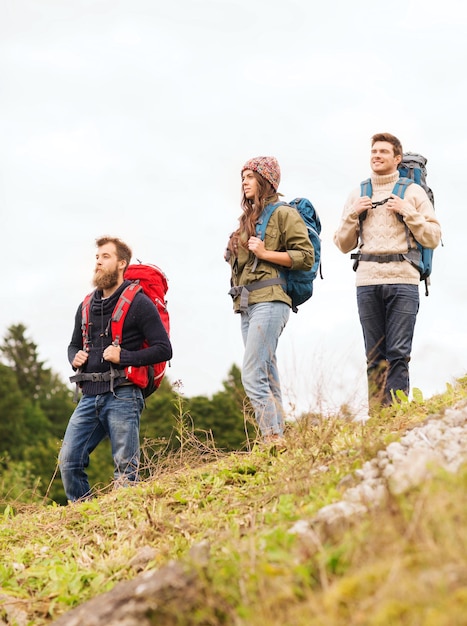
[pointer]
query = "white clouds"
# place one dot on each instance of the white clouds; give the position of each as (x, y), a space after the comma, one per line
(79, 149)
(432, 14)
(134, 118)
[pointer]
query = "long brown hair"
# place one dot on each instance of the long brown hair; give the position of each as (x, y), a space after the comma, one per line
(252, 209)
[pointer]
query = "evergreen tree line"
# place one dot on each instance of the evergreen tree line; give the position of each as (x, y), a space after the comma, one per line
(35, 406)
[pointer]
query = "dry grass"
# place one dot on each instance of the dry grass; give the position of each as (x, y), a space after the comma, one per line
(404, 564)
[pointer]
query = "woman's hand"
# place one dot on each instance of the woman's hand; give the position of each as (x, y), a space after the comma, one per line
(256, 245)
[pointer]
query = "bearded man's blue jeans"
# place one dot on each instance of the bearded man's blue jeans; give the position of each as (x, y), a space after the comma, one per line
(387, 315)
(262, 325)
(114, 415)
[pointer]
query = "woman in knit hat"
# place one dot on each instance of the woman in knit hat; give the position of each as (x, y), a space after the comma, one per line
(257, 287)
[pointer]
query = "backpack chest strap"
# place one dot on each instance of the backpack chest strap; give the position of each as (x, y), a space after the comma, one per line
(98, 377)
(412, 256)
(377, 258)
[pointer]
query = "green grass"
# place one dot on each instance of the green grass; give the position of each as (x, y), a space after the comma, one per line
(404, 564)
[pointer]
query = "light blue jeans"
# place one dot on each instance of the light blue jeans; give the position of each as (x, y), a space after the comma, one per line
(262, 325)
(114, 415)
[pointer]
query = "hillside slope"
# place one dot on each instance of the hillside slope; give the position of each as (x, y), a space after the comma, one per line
(329, 531)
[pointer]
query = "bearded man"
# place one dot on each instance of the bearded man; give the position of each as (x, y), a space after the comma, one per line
(110, 405)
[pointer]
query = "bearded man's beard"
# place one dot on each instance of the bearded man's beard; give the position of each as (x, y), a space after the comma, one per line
(105, 279)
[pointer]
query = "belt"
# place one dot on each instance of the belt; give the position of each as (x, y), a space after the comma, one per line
(244, 290)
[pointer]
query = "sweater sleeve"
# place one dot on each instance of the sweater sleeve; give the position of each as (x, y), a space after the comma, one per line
(346, 236)
(144, 317)
(76, 342)
(419, 215)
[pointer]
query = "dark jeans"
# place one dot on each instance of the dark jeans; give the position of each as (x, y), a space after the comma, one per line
(387, 315)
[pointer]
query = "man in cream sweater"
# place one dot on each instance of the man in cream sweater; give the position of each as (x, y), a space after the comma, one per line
(387, 291)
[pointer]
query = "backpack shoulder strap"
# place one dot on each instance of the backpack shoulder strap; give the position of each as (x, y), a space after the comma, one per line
(401, 187)
(121, 309)
(262, 224)
(264, 218)
(399, 190)
(366, 188)
(85, 306)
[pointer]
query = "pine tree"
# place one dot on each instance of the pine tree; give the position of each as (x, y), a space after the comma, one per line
(21, 354)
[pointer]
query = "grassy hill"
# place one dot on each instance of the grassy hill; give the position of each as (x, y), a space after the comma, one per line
(228, 518)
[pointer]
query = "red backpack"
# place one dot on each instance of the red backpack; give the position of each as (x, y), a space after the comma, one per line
(153, 282)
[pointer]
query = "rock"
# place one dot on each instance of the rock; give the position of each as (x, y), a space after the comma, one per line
(143, 557)
(413, 470)
(199, 553)
(439, 442)
(171, 590)
(13, 613)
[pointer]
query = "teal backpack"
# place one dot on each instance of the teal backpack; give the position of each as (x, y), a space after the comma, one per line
(412, 170)
(297, 283)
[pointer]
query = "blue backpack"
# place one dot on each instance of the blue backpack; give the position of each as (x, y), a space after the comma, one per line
(297, 283)
(412, 169)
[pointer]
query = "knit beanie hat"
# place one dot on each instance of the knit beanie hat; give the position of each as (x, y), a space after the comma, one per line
(267, 167)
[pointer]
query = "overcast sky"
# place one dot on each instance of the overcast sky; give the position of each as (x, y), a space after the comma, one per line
(134, 117)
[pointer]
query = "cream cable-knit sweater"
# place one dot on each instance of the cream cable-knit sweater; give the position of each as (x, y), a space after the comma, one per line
(384, 233)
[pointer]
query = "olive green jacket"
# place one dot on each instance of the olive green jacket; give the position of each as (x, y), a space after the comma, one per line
(285, 232)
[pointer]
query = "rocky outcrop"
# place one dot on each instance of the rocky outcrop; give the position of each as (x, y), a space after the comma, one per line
(439, 442)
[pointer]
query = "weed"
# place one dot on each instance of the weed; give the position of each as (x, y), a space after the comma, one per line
(403, 564)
